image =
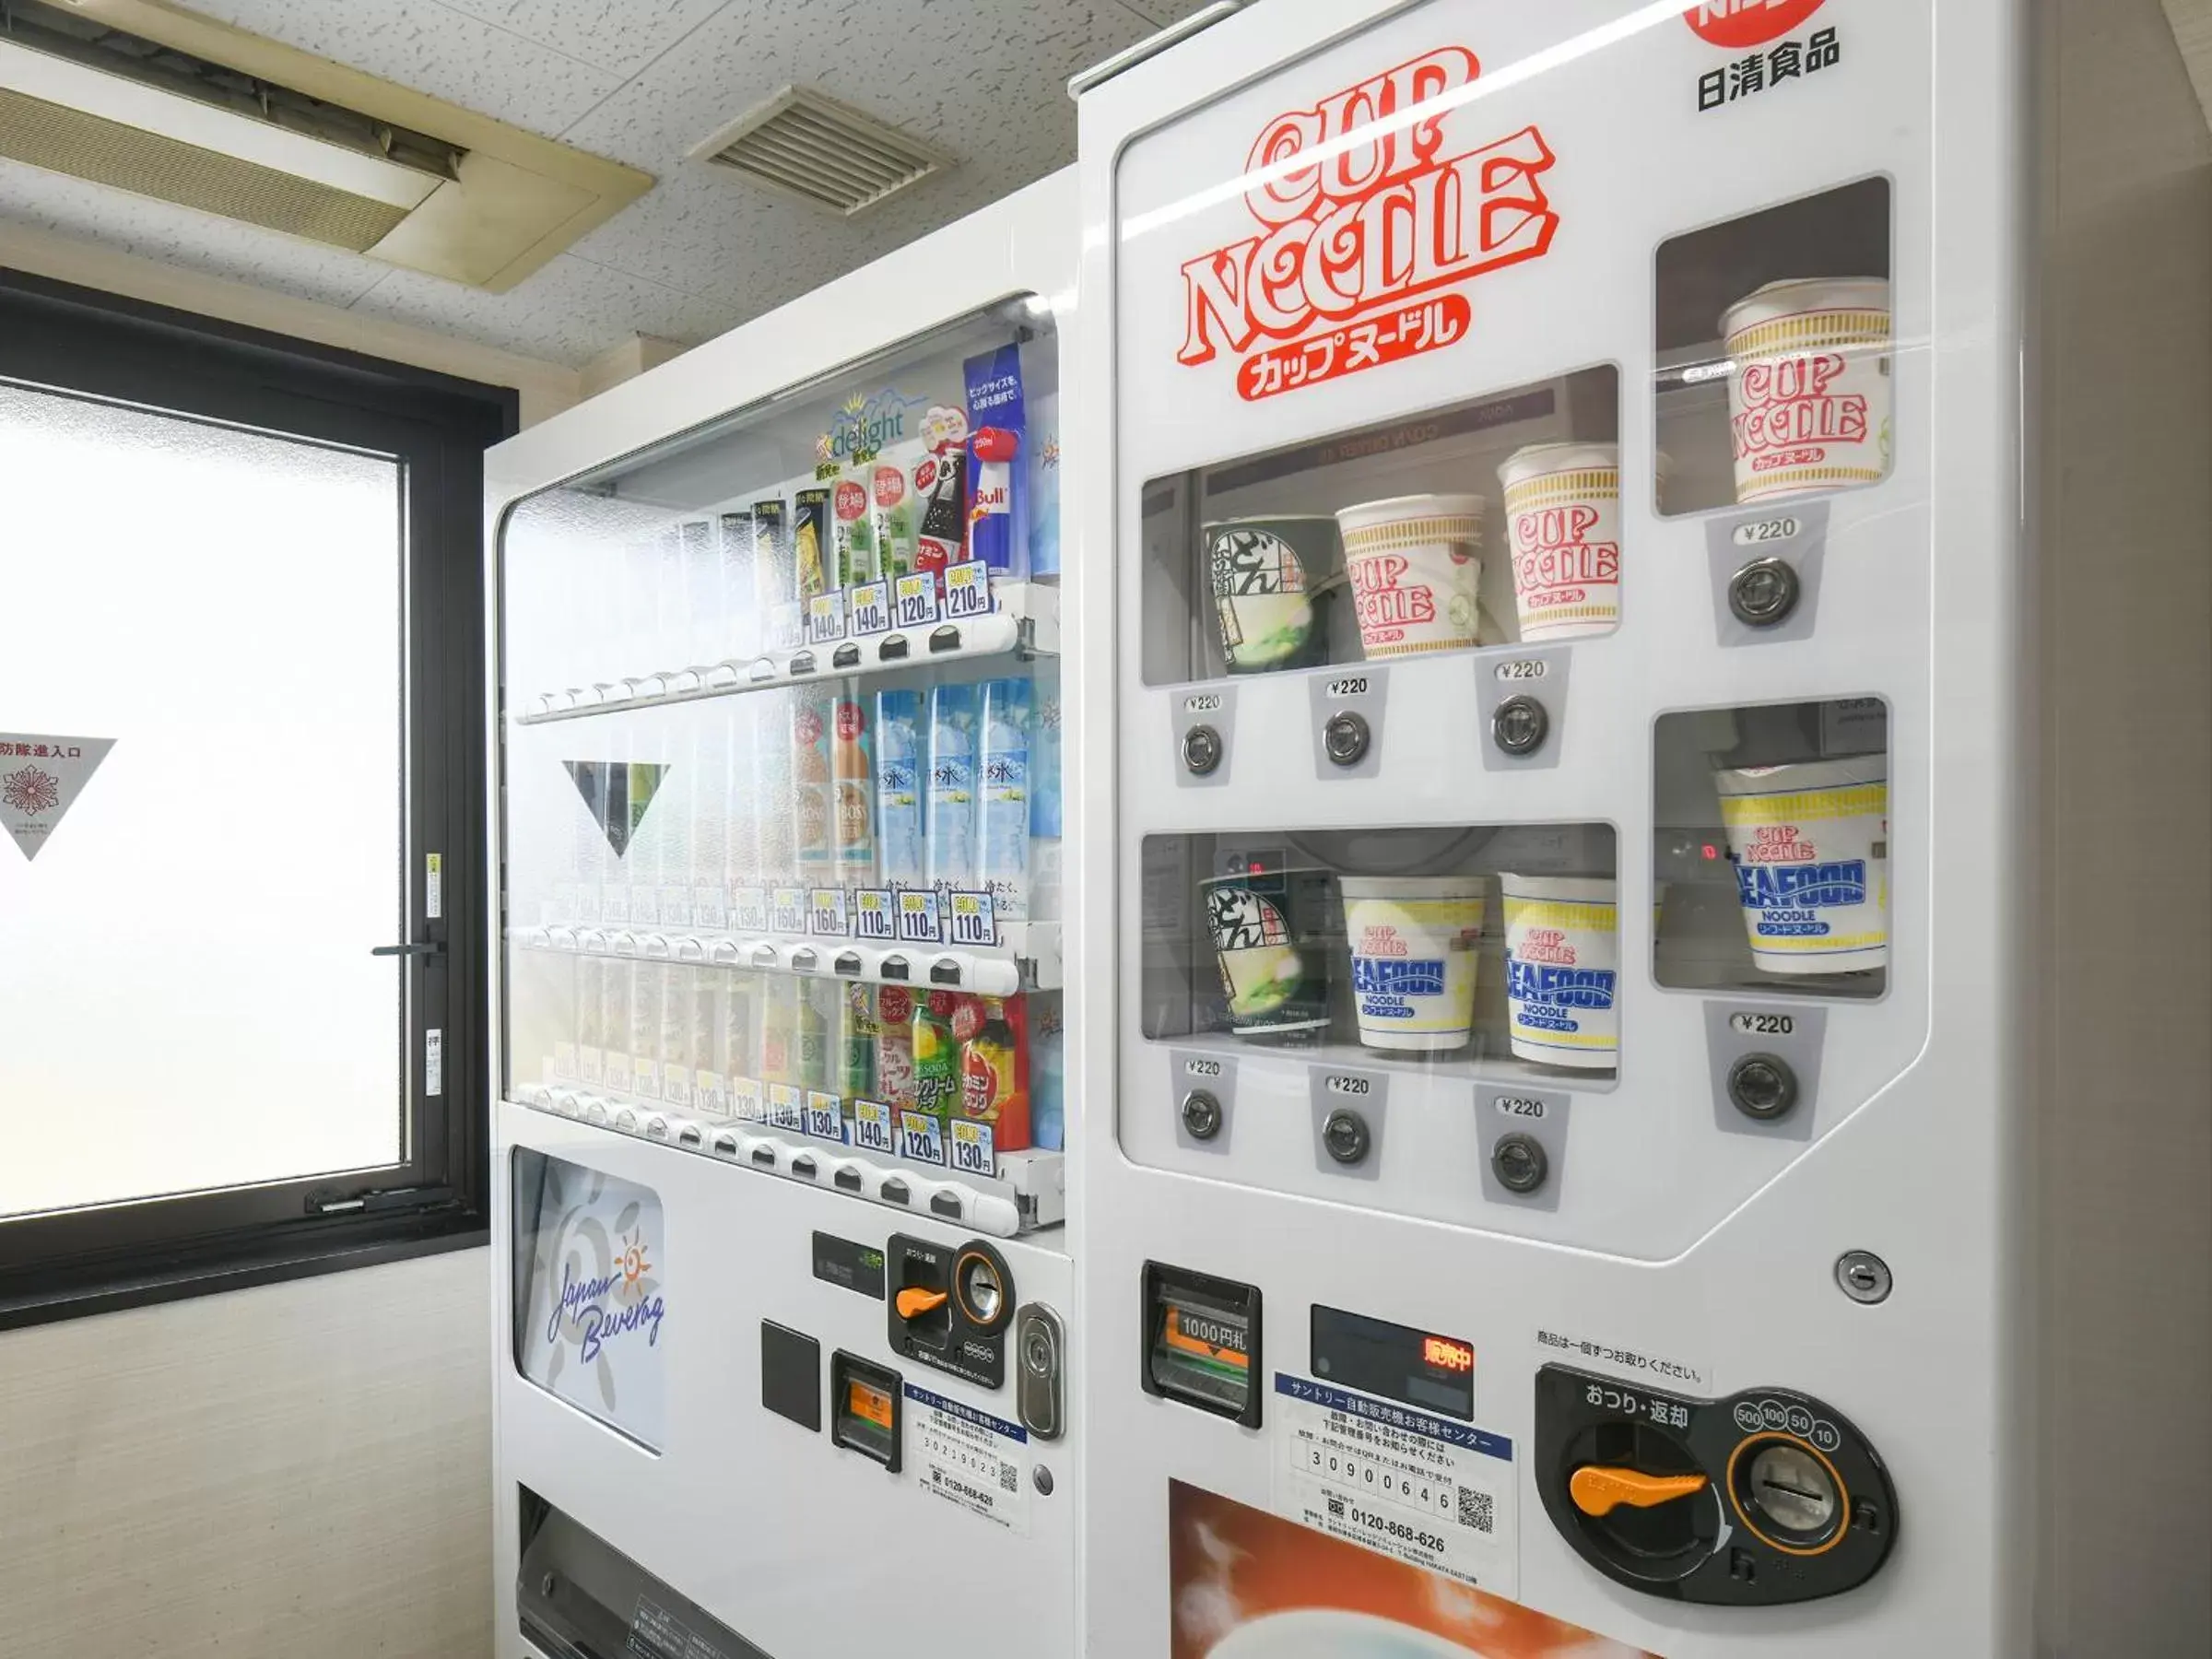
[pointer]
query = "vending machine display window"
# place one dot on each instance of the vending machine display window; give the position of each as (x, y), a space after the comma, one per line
(1464, 949)
(1771, 862)
(1494, 521)
(1774, 352)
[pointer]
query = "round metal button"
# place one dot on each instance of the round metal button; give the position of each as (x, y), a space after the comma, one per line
(1518, 1162)
(1201, 750)
(1345, 1135)
(1763, 593)
(1863, 1276)
(1762, 1087)
(1344, 738)
(1520, 725)
(1201, 1114)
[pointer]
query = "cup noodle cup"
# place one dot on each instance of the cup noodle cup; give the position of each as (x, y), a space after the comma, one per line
(1414, 569)
(1562, 970)
(1562, 525)
(1413, 941)
(1808, 401)
(1810, 846)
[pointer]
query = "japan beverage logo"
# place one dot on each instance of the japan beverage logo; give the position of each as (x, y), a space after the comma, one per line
(1737, 24)
(1370, 217)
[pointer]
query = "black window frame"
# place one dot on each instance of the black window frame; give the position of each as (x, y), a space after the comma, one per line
(59, 338)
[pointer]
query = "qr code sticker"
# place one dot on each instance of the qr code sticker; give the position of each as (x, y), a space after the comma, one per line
(1336, 1506)
(1009, 1477)
(1477, 1508)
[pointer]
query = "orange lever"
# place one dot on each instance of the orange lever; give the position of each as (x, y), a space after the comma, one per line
(913, 1299)
(1599, 1490)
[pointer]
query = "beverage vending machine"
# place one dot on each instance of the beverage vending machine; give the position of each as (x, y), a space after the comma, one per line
(783, 1331)
(1556, 481)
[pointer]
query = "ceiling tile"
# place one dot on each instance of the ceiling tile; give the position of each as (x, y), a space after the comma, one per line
(180, 236)
(433, 49)
(620, 36)
(567, 313)
(995, 96)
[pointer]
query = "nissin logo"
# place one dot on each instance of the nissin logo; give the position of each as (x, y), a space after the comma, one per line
(1799, 887)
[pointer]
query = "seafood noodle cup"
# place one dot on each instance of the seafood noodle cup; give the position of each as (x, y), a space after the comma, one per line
(1808, 395)
(1414, 569)
(1562, 970)
(1562, 532)
(1809, 842)
(1413, 941)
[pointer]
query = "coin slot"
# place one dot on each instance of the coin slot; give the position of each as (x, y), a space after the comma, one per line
(1788, 1494)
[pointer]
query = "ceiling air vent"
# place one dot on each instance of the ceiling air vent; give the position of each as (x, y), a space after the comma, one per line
(806, 144)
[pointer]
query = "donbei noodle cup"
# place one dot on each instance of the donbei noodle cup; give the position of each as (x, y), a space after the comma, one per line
(1562, 529)
(1271, 579)
(1562, 970)
(1808, 394)
(1274, 967)
(1413, 941)
(1414, 569)
(1810, 843)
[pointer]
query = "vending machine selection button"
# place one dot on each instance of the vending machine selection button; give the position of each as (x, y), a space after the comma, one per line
(1519, 1162)
(1519, 724)
(1762, 1087)
(1201, 1114)
(1202, 750)
(1763, 593)
(1345, 738)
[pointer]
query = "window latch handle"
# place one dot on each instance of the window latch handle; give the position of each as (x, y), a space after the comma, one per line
(428, 948)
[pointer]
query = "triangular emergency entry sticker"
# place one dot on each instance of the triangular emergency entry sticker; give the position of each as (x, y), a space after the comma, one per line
(617, 793)
(40, 778)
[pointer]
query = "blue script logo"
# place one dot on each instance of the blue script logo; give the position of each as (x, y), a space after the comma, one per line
(1800, 887)
(596, 1307)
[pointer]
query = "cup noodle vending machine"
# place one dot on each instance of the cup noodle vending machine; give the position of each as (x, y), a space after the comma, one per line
(1553, 1203)
(781, 1353)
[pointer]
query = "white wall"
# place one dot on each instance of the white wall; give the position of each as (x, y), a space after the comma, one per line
(299, 1469)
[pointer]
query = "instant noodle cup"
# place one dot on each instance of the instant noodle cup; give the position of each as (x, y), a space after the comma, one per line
(1562, 525)
(1562, 968)
(1808, 394)
(1270, 579)
(1810, 846)
(1413, 941)
(1274, 970)
(1414, 569)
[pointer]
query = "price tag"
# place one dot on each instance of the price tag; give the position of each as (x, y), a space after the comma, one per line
(915, 600)
(746, 1101)
(786, 1107)
(826, 618)
(874, 914)
(645, 906)
(676, 1088)
(825, 1116)
(918, 915)
(749, 911)
(971, 1149)
(872, 1130)
(591, 1066)
(645, 1077)
(968, 589)
(826, 912)
(787, 911)
(872, 607)
(675, 908)
(974, 922)
(922, 1137)
(710, 1090)
(564, 1062)
(707, 912)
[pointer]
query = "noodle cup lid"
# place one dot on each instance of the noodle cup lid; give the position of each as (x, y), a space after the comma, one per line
(1260, 520)
(1795, 296)
(1539, 460)
(1412, 887)
(1841, 773)
(1566, 889)
(1397, 510)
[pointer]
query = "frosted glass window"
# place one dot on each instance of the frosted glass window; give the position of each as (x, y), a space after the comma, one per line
(187, 997)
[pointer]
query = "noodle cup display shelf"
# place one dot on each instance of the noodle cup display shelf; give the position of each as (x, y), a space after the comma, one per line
(1027, 957)
(1025, 625)
(1028, 1191)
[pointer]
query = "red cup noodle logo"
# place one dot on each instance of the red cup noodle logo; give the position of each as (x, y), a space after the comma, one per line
(1738, 24)
(1359, 246)
(852, 499)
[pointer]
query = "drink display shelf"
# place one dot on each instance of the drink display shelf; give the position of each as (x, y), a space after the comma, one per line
(1028, 1191)
(1025, 625)
(1027, 957)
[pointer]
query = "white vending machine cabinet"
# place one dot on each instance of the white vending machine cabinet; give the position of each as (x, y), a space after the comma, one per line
(785, 1307)
(1556, 475)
